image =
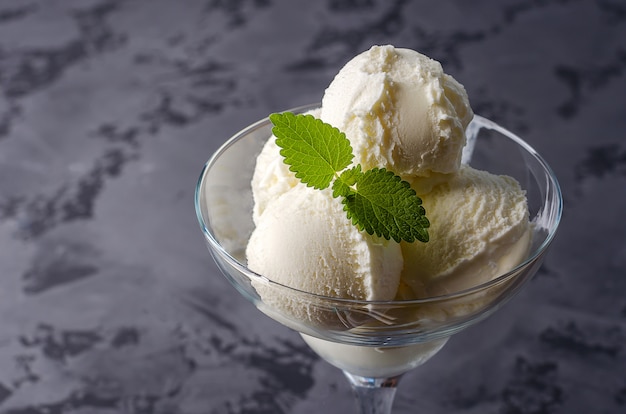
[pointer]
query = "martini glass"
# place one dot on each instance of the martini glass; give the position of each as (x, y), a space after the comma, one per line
(373, 343)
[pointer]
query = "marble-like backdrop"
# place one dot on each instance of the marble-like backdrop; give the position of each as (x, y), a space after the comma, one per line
(109, 301)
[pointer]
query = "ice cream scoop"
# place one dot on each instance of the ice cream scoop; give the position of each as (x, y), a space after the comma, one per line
(400, 111)
(271, 177)
(479, 229)
(303, 240)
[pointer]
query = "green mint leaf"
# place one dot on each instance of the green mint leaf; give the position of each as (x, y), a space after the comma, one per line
(315, 151)
(385, 205)
(376, 201)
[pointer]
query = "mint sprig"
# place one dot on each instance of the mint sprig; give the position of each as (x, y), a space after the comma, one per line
(314, 151)
(376, 201)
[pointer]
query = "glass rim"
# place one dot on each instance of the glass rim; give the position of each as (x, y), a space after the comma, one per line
(485, 123)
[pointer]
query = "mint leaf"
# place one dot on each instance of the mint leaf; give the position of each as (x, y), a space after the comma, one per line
(385, 205)
(376, 201)
(315, 151)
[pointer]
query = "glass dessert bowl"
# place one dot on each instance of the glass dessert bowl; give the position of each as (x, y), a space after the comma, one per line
(372, 342)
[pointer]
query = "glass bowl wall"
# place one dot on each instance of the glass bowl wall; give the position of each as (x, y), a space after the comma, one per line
(224, 208)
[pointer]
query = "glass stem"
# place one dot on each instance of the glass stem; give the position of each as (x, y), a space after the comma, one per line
(373, 395)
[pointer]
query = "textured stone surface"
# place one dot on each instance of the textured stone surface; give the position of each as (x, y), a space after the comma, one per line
(109, 301)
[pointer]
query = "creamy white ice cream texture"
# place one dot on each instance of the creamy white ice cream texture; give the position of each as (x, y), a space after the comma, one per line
(305, 241)
(398, 109)
(479, 229)
(271, 177)
(402, 112)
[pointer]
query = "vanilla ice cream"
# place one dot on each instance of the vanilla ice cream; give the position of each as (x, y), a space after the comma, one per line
(400, 111)
(271, 176)
(479, 229)
(304, 241)
(374, 362)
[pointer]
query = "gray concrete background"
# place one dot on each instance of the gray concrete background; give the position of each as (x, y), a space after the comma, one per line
(109, 301)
